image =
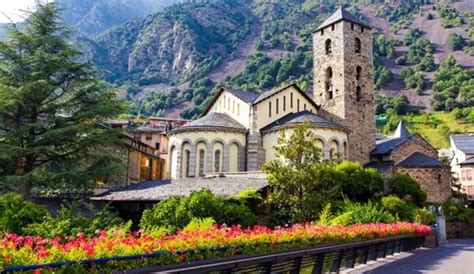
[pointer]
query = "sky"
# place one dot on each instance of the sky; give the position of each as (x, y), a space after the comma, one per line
(13, 9)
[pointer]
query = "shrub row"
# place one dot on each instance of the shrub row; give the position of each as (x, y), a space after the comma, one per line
(21, 251)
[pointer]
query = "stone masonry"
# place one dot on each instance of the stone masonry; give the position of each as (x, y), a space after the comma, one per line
(415, 143)
(352, 99)
(434, 181)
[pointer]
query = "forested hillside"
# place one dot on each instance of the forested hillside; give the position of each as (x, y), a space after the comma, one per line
(95, 16)
(168, 63)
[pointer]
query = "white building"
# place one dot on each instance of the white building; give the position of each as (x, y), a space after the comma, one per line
(462, 163)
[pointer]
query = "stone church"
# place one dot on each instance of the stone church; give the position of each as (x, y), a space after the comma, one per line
(239, 129)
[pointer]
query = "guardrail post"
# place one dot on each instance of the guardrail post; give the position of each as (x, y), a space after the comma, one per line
(336, 264)
(399, 246)
(364, 254)
(373, 249)
(393, 248)
(318, 265)
(350, 260)
(295, 269)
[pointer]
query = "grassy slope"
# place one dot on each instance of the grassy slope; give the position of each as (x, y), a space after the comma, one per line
(426, 125)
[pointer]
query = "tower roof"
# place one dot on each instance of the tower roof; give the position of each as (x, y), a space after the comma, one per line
(401, 131)
(339, 15)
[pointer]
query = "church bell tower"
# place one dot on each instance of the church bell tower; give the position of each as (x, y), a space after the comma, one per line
(343, 79)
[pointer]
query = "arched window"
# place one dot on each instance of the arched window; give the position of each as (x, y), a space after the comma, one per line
(345, 149)
(439, 179)
(217, 160)
(234, 157)
(328, 47)
(333, 149)
(357, 45)
(358, 93)
(358, 72)
(201, 154)
(187, 162)
(173, 164)
(329, 86)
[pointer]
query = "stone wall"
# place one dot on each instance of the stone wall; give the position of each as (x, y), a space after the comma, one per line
(354, 109)
(436, 182)
(459, 230)
(415, 143)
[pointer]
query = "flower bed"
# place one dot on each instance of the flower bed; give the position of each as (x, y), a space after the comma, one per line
(214, 242)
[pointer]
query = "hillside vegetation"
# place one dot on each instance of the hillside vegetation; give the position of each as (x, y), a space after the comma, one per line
(168, 63)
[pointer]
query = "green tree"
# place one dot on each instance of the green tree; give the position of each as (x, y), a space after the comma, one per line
(359, 183)
(301, 184)
(50, 107)
(405, 187)
(455, 41)
(16, 213)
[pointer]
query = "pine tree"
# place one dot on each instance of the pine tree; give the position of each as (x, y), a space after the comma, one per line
(51, 104)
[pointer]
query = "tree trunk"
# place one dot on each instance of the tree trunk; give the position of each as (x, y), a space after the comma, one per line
(23, 167)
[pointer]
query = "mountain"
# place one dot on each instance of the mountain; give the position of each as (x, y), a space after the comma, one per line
(166, 57)
(95, 16)
(168, 62)
(170, 45)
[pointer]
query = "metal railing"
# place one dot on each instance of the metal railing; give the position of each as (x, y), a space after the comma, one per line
(321, 259)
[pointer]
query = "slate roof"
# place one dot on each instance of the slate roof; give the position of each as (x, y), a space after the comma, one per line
(420, 160)
(464, 142)
(300, 117)
(163, 189)
(468, 161)
(213, 121)
(385, 146)
(380, 166)
(341, 14)
(148, 129)
(401, 131)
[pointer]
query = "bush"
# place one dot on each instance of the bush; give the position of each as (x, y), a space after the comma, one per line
(456, 211)
(16, 213)
(398, 207)
(455, 41)
(357, 213)
(177, 212)
(406, 188)
(424, 216)
(71, 222)
(359, 183)
(426, 64)
(402, 60)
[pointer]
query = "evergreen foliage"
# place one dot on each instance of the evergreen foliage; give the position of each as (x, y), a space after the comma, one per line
(50, 107)
(453, 86)
(70, 221)
(16, 213)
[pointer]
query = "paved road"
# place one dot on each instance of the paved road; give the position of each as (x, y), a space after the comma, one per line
(453, 257)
